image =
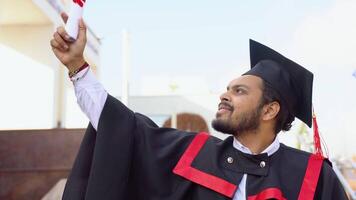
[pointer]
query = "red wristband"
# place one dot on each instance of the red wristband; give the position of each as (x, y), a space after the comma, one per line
(71, 74)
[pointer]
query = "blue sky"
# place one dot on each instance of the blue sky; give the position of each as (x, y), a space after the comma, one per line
(207, 41)
(199, 38)
(202, 45)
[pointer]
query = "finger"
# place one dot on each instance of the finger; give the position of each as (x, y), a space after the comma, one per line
(55, 45)
(60, 41)
(82, 30)
(55, 51)
(63, 33)
(64, 17)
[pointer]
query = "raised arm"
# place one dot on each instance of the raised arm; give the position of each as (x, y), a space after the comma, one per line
(91, 95)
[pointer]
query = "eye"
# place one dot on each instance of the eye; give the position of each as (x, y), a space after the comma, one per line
(239, 91)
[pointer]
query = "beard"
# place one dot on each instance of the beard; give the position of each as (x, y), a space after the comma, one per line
(247, 121)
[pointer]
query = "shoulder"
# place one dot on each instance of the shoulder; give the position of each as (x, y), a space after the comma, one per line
(291, 159)
(205, 140)
(293, 152)
(299, 159)
(204, 144)
(303, 155)
(327, 168)
(209, 141)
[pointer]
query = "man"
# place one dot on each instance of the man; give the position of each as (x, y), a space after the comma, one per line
(124, 155)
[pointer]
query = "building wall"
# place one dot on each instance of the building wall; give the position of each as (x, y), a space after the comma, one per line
(30, 40)
(26, 90)
(26, 27)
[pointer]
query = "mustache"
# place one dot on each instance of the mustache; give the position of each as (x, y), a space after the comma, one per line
(226, 105)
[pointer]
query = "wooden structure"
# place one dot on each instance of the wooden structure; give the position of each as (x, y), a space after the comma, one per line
(33, 161)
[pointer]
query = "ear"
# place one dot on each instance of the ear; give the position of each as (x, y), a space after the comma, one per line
(270, 111)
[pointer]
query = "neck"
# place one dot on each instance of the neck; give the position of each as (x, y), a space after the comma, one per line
(256, 141)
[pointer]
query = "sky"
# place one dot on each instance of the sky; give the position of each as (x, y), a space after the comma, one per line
(200, 38)
(205, 43)
(197, 47)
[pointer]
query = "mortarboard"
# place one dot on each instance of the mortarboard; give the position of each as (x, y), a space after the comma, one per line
(293, 82)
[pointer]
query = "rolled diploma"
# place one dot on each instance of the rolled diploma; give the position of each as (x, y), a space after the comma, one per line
(75, 14)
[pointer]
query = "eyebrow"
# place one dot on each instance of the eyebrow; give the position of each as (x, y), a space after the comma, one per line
(238, 86)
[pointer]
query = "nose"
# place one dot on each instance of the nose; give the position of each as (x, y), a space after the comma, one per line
(225, 97)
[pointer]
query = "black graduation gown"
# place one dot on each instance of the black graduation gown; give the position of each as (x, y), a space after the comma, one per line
(129, 157)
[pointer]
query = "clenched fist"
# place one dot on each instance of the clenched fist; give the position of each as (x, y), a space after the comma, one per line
(68, 52)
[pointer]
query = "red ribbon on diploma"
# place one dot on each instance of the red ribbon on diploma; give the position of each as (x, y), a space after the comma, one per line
(79, 2)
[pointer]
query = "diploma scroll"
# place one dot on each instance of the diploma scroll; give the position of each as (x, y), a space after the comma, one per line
(75, 14)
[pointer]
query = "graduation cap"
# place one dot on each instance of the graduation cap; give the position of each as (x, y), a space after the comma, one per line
(293, 82)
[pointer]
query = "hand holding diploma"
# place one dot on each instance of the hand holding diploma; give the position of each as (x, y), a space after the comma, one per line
(67, 50)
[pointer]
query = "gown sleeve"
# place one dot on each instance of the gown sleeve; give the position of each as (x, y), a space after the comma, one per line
(127, 157)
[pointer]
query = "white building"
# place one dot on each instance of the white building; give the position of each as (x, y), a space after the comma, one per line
(32, 81)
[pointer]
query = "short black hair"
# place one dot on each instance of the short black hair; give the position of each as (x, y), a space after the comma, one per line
(284, 118)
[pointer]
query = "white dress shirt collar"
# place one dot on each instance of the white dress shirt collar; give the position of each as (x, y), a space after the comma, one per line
(271, 149)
